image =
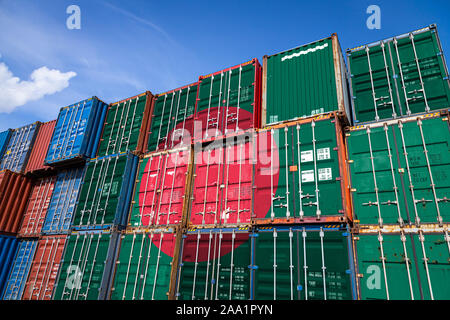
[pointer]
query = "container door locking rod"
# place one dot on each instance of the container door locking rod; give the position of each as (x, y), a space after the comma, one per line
(324, 268)
(300, 192)
(411, 187)
(400, 219)
(138, 267)
(218, 264)
(372, 86)
(37, 272)
(377, 203)
(147, 263)
(196, 265)
(425, 260)
(75, 133)
(233, 236)
(305, 265)
(157, 264)
(394, 114)
(383, 261)
(318, 212)
(407, 262)
(408, 111)
(162, 189)
(209, 107)
(207, 265)
(93, 267)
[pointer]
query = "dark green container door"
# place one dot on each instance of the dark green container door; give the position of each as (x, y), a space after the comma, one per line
(403, 183)
(301, 265)
(83, 267)
(172, 110)
(122, 126)
(143, 269)
(305, 162)
(214, 266)
(416, 266)
(399, 77)
(301, 82)
(101, 191)
(226, 100)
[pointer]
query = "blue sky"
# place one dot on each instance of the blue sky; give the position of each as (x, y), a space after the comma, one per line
(126, 47)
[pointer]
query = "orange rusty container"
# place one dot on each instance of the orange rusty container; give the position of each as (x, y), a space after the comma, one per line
(14, 191)
(44, 268)
(36, 161)
(37, 207)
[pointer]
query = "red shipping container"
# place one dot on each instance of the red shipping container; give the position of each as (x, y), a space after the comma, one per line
(44, 268)
(14, 192)
(160, 189)
(223, 182)
(40, 147)
(36, 210)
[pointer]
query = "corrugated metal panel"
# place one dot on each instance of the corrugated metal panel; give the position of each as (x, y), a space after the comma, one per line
(19, 148)
(4, 139)
(62, 204)
(399, 76)
(106, 192)
(19, 271)
(301, 263)
(8, 249)
(215, 265)
(40, 147)
(37, 207)
(223, 182)
(229, 101)
(77, 132)
(159, 197)
(86, 266)
(172, 120)
(14, 192)
(305, 81)
(408, 265)
(145, 265)
(126, 126)
(399, 171)
(301, 174)
(44, 268)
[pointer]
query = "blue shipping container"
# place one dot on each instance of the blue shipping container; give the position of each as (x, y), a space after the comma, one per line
(62, 204)
(19, 148)
(4, 139)
(107, 192)
(8, 249)
(19, 271)
(77, 132)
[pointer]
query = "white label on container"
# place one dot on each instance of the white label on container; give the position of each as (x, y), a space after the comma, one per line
(325, 174)
(323, 154)
(306, 156)
(307, 176)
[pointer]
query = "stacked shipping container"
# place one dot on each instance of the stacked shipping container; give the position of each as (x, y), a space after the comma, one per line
(254, 185)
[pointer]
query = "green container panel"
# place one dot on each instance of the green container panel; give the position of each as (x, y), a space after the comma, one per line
(123, 125)
(215, 265)
(172, 111)
(408, 266)
(302, 171)
(301, 264)
(399, 76)
(400, 171)
(143, 269)
(85, 267)
(228, 100)
(104, 191)
(305, 81)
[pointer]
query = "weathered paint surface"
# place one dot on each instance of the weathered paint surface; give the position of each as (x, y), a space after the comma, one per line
(400, 171)
(403, 266)
(399, 76)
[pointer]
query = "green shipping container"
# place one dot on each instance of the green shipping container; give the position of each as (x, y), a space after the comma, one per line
(144, 268)
(409, 264)
(86, 266)
(302, 263)
(400, 171)
(106, 192)
(399, 76)
(301, 172)
(172, 118)
(305, 81)
(215, 265)
(126, 126)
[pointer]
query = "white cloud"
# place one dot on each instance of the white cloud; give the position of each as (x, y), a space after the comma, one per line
(43, 81)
